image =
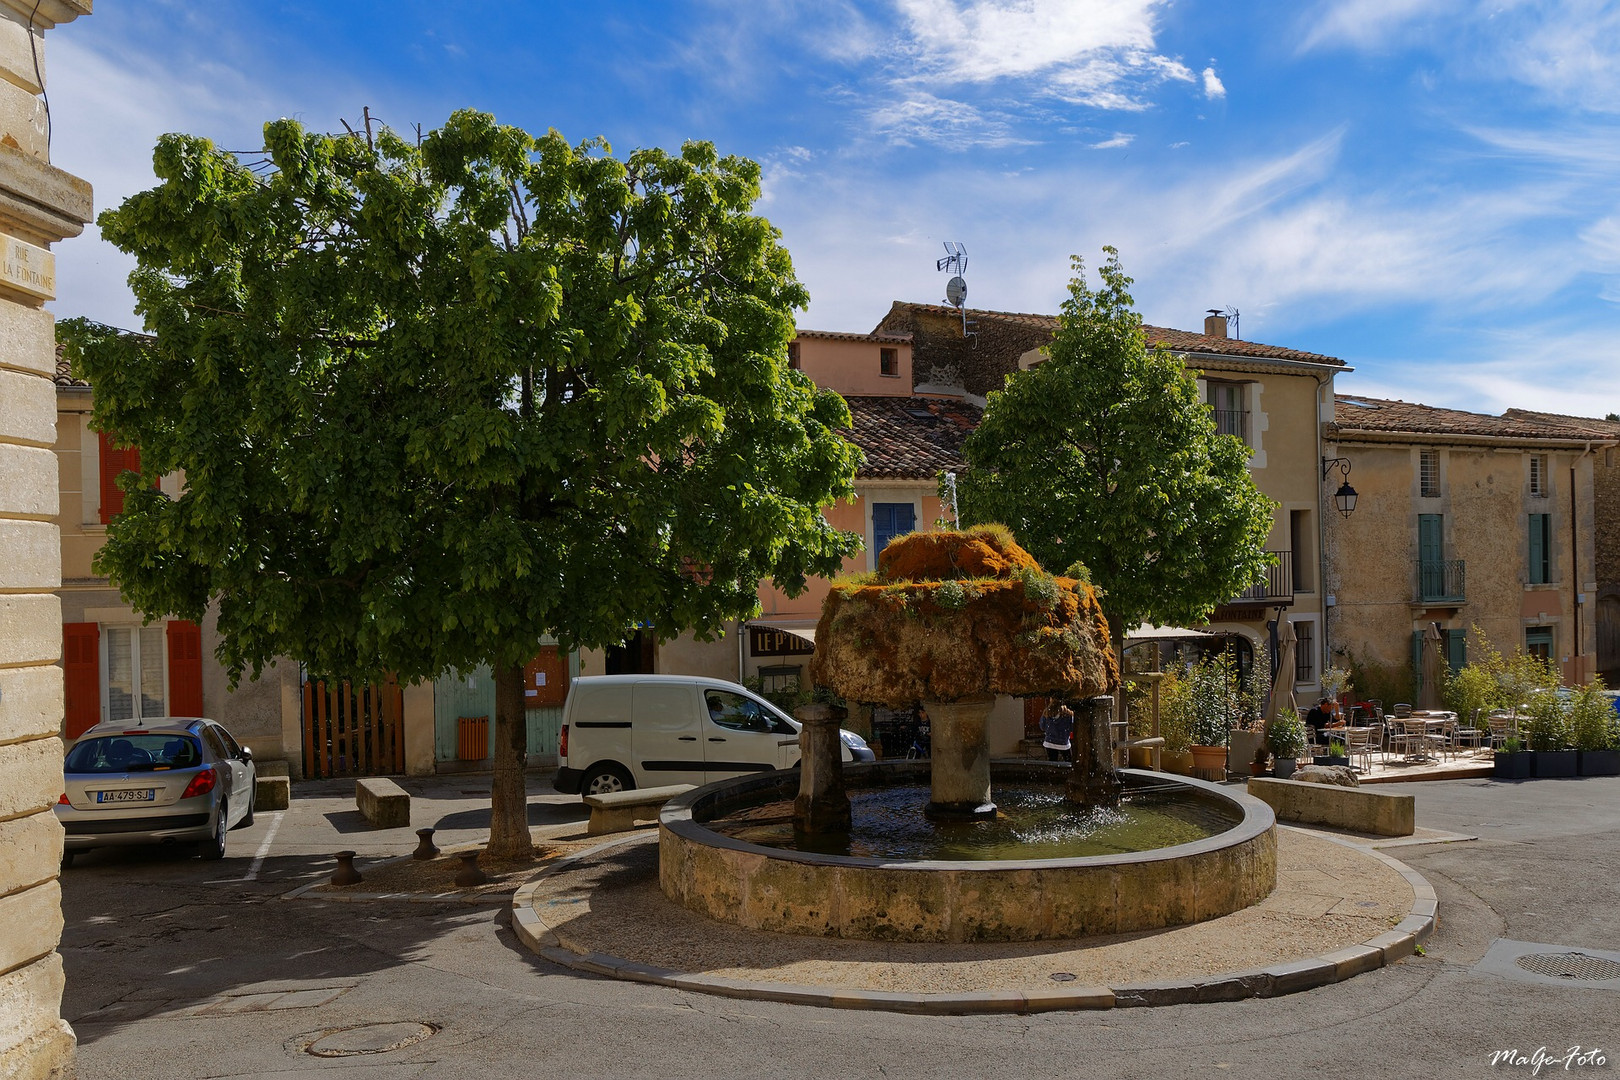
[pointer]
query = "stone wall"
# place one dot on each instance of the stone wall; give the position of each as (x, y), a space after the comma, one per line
(941, 355)
(39, 205)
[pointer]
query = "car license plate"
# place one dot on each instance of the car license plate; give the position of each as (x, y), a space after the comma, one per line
(128, 795)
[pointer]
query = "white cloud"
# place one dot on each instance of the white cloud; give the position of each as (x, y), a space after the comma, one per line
(920, 117)
(1120, 139)
(1213, 87)
(1099, 54)
(1367, 24)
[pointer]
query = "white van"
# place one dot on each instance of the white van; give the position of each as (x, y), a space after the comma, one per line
(629, 731)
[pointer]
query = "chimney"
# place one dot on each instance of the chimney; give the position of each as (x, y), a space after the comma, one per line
(1215, 325)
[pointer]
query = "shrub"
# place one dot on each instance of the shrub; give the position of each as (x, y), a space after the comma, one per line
(1548, 727)
(1592, 719)
(1175, 712)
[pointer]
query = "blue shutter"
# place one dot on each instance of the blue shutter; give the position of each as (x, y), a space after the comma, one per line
(1417, 664)
(890, 520)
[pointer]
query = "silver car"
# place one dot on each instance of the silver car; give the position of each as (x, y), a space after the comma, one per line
(163, 781)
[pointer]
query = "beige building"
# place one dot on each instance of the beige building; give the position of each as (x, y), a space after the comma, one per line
(1462, 520)
(1273, 398)
(116, 666)
(39, 206)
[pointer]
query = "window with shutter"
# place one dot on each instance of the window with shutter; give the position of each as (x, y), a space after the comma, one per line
(185, 668)
(890, 520)
(81, 670)
(1540, 549)
(1456, 650)
(114, 461)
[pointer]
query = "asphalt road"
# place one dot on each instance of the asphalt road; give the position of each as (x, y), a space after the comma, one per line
(178, 968)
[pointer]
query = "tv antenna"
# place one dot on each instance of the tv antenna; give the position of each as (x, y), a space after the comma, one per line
(1234, 320)
(955, 263)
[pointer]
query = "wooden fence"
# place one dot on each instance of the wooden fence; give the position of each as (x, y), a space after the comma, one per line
(353, 730)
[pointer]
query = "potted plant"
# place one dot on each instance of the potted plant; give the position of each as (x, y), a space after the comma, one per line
(1512, 762)
(1548, 731)
(1286, 739)
(1336, 755)
(1335, 681)
(1209, 732)
(1175, 723)
(1213, 706)
(1595, 730)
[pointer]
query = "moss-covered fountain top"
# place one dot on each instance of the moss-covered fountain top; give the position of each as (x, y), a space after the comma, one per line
(951, 616)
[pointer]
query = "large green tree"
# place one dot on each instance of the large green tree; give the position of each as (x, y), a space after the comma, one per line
(1104, 454)
(435, 398)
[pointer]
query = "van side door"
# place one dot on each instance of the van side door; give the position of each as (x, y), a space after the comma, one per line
(743, 735)
(668, 746)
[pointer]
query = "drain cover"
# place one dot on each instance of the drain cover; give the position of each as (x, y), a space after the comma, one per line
(1570, 965)
(368, 1039)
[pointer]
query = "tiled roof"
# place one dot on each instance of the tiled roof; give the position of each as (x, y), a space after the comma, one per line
(910, 438)
(64, 373)
(1184, 341)
(1354, 413)
(1582, 425)
(837, 335)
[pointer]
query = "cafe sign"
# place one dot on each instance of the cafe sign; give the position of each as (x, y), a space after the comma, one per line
(769, 641)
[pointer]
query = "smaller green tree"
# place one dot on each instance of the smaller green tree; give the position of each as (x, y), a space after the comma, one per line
(1593, 723)
(1105, 454)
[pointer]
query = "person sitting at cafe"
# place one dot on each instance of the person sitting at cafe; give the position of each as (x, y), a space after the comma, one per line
(1319, 717)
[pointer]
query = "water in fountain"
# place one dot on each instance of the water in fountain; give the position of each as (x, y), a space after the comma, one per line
(1033, 821)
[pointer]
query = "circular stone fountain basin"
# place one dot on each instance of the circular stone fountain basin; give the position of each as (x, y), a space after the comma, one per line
(1005, 897)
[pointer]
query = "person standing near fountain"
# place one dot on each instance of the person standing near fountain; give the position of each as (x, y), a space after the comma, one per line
(1057, 731)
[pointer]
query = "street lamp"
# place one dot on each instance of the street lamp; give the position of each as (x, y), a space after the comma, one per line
(1345, 497)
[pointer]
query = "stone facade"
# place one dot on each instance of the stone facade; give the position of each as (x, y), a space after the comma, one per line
(1464, 495)
(39, 206)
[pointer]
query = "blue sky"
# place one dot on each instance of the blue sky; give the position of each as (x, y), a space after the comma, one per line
(1425, 188)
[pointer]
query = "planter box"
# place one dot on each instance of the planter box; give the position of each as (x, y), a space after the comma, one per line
(1209, 757)
(1283, 768)
(1331, 759)
(1551, 763)
(1515, 766)
(1179, 762)
(1597, 762)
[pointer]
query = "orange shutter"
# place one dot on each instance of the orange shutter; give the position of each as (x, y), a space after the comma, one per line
(81, 667)
(114, 461)
(185, 668)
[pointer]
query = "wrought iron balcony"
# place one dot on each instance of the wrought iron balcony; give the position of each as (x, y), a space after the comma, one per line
(1442, 582)
(1277, 585)
(1232, 422)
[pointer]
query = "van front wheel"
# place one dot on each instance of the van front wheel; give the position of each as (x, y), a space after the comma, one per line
(605, 780)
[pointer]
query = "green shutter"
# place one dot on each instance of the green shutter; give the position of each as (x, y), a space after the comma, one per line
(1417, 664)
(1538, 549)
(1456, 649)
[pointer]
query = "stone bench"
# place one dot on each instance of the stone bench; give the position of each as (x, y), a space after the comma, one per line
(620, 810)
(271, 793)
(1356, 809)
(384, 803)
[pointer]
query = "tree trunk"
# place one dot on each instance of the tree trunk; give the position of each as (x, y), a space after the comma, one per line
(509, 796)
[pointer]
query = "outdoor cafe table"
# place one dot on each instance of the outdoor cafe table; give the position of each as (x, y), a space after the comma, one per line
(1425, 726)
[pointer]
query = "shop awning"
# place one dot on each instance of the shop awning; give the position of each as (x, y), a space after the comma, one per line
(777, 639)
(1149, 632)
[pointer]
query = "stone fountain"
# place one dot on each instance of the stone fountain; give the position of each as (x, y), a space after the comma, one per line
(917, 850)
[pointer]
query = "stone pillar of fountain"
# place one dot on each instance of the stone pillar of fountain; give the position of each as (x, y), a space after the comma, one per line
(822, 805)
(960, 770)
(1094, 781)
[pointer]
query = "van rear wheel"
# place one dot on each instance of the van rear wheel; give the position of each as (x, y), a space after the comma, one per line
(605, 780)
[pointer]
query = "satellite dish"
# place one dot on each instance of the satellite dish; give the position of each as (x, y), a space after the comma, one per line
(956, 291)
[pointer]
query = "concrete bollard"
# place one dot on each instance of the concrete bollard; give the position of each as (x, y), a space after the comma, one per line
(469, 874)
(346, 874)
